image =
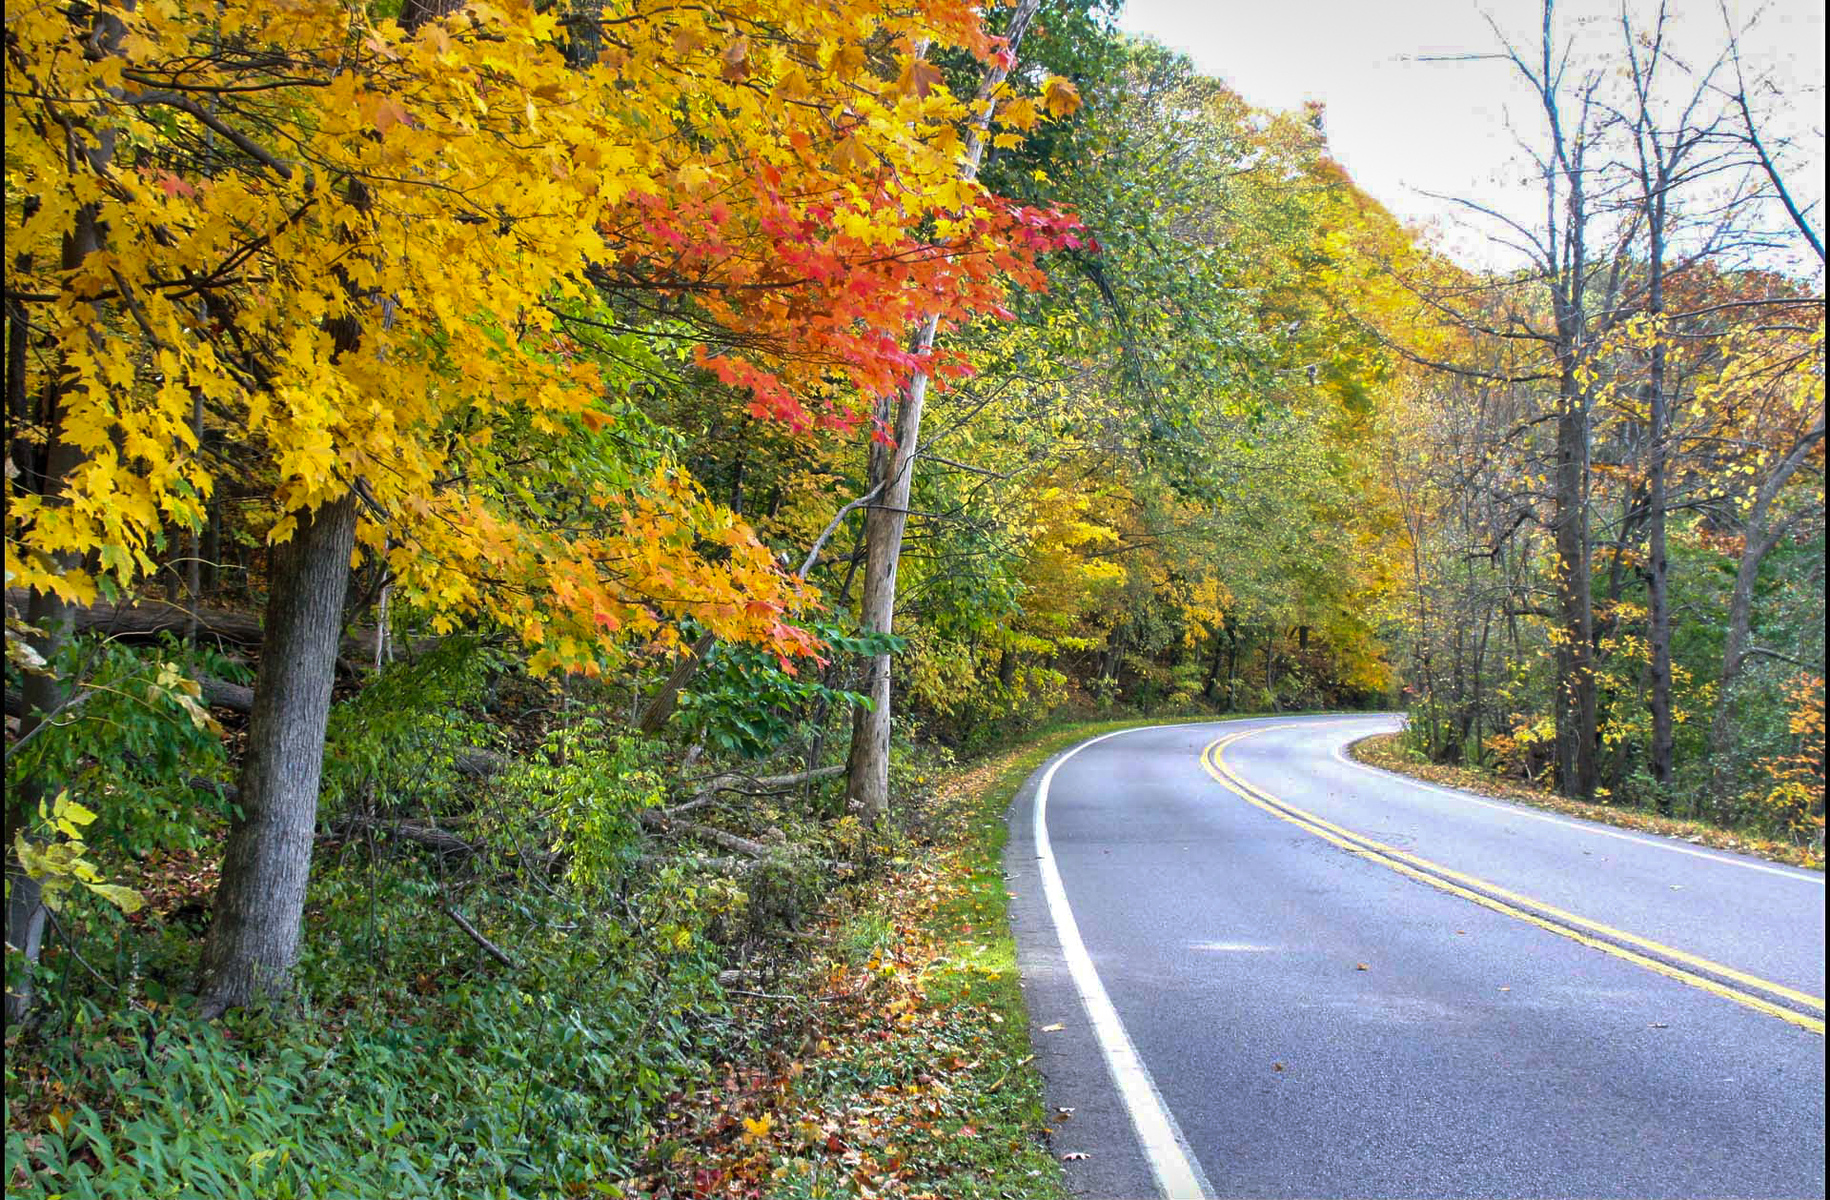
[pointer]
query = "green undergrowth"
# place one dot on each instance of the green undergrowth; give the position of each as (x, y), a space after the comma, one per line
(805, 1029)
(408, 1063)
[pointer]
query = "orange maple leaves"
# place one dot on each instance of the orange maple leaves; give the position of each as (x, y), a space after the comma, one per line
(774, 184)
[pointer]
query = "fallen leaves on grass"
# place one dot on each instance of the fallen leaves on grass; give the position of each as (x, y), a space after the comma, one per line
(866, 1072)
(1381, 750)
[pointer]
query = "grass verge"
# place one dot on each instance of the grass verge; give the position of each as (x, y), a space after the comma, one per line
(892, 1059)
(1385, 751)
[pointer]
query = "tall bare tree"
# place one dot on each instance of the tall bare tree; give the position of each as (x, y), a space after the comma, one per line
(1669, 151)
(892, 475)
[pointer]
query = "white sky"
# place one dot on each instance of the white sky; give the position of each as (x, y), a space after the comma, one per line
(1401, 126)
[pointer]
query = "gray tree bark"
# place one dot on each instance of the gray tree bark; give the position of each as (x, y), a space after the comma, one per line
(892, 468)
(43, 695)
(1660, 154)
(44, 473)
(253, 941)
(1762, 534)
(1658, 603)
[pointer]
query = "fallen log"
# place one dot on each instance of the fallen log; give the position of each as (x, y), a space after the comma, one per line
(220, 693)
(757, 853)
(150, 618)
(751, 785)
(441, 841)
(216, 693)
(794, 779)
(145, 620)
(660, 822)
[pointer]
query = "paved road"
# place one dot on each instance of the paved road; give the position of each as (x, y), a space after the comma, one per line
(1341, 983)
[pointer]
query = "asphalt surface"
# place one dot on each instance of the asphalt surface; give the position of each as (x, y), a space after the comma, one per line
(1319, 1024)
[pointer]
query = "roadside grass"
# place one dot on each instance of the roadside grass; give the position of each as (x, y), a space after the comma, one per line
(1386, 752)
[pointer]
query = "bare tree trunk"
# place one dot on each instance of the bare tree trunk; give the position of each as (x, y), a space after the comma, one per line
(1213, 667)
(254, 940)
(24, 913)
(1759, 540)
(1575, 701)
(44, 694)
(1232, 665)
(1270, 668)
(867, 789)
(660, 706)
(1660, 153)
(1658, 602)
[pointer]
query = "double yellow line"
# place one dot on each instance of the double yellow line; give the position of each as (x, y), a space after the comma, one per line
(1748, 990)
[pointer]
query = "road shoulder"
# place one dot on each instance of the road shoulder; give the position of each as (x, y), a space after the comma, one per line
(1380, 752)
(1095, 1132)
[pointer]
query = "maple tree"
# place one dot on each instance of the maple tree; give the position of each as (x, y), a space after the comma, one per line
(404, 266)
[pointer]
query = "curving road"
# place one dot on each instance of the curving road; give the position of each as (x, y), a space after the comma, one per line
(1280, 973)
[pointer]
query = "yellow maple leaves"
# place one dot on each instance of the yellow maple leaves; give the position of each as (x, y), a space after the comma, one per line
(347, 255)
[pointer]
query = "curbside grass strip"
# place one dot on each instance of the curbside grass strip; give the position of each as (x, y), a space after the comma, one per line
(1380, 750)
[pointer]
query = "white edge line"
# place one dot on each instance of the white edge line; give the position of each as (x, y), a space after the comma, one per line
(1584, 827)
(1178, 1175)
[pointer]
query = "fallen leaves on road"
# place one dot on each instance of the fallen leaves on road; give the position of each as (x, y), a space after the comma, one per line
(1057, 1027)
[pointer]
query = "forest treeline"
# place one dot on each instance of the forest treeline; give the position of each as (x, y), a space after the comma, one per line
(528, 476)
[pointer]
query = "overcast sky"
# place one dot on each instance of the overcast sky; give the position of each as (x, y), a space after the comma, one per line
(1402, 127)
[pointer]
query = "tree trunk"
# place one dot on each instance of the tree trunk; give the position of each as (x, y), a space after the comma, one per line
(260, 901)
(1758, 541)
(1232, 667)
(1658, 603)
(868, 765)
(1213, 667)
(1113, 656)
(43, 694)
(867, 789)
(1734, 657)
(1575, 700)
(661, 705)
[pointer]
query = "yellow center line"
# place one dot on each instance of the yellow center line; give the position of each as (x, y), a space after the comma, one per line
(1700, 963)
(1566, 925)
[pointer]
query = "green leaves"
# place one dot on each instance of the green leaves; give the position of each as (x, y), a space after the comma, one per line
(742, 702)
(60, 862)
